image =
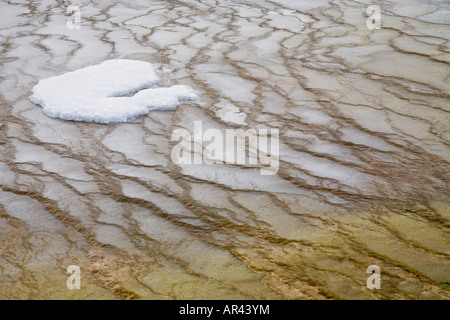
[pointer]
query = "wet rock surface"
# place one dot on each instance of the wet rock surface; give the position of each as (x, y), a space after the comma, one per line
(363, 117)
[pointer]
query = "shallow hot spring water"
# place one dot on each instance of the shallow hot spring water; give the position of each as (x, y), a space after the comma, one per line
(88, 177)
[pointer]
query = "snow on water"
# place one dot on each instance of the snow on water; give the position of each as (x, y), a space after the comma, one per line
(101, 93)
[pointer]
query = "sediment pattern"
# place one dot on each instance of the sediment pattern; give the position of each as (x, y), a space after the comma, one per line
(364, 167)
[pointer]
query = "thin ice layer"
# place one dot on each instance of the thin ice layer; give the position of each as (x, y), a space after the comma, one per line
(100, 93)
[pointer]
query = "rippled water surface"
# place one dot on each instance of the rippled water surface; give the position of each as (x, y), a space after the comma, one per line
(363, 179)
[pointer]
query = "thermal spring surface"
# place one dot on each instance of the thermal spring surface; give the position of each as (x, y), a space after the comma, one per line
(94, 101)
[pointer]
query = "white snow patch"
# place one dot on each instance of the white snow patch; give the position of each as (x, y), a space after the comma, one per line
(101, 93)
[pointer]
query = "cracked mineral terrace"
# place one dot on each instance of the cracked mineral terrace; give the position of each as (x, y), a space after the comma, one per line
(363, 179)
